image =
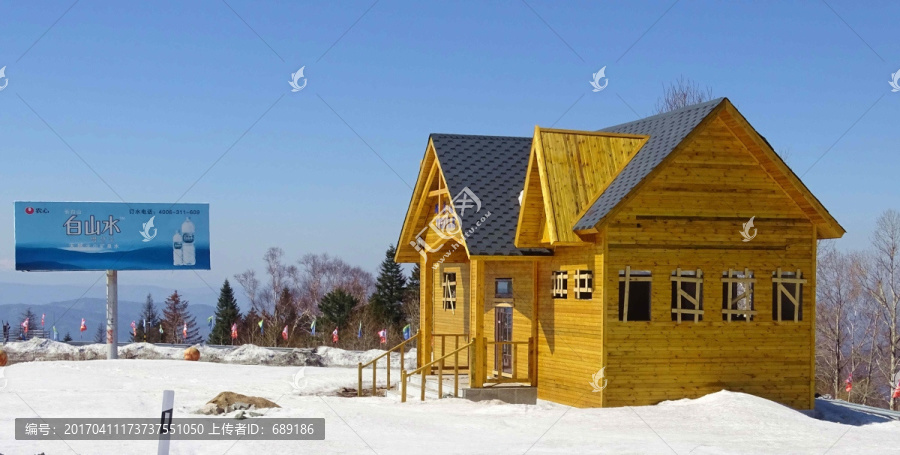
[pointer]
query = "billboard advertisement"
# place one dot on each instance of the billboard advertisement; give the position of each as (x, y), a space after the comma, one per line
(55, 236)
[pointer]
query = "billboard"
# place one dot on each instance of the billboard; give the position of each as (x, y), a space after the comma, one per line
(53, 236)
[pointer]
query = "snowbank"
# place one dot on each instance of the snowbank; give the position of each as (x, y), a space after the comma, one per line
(247, 354)
(720, 423)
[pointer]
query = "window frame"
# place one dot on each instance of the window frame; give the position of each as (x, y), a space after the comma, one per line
(626, 278)
(730, 283)
(448, 288)
(585, 291)
(497, 294)
(679, 278)
(560, 284)
(779, 279)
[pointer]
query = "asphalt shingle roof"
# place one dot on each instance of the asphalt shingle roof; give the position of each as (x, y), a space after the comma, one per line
(666, 131)
(493, 168)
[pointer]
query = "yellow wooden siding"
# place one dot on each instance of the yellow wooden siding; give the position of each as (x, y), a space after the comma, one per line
(577, 166)
(570, 332)
(447, 321)
(689, 217)
(532, 223)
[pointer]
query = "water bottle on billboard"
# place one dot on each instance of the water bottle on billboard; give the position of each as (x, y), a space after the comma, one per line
(177, 249)
(187, 235)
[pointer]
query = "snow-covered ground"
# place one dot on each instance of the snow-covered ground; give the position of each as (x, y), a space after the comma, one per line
(720, 423)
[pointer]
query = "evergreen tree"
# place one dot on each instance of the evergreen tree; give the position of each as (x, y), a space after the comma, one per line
(285, 313)
(32, 324)
(175, 315)
(100, 335)
(336, 308)
(227, 313)
(387, 300)
(411, 302)
(68, 337)
(151, 317)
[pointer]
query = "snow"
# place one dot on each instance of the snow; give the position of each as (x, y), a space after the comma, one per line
(719, 423)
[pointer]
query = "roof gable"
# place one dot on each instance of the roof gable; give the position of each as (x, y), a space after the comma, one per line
(573, 167)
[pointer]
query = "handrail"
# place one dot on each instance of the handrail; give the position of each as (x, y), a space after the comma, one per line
(374, 364)
(444, 336)
(421, 370)
(514, 367)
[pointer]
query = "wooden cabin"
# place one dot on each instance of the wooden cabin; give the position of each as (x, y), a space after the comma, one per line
(665, 258)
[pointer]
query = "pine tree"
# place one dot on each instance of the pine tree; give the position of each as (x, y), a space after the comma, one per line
(227, 313)
(175, 315)
(390, 287)
(68, 337)
(285, 314)
(30, 316)
(411, 302)
(100, 335)
(336, 308)
(151, 317)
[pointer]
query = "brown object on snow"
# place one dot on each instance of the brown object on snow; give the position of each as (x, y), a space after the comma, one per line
(191, 353)
(227, 400)
(3, 358)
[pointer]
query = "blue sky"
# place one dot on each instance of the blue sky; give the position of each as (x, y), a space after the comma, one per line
(150, 95)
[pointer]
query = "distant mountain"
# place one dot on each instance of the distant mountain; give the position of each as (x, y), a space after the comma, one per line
(33, 294)
(67, 316)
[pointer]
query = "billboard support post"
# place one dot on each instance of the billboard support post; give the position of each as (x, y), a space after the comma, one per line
(112, 303)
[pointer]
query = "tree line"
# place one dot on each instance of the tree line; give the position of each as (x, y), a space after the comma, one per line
(858, 318)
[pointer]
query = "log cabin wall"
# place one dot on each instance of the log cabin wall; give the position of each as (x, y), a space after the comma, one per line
(570, 335)
(447, 321)
(689, 216)
(522, 302)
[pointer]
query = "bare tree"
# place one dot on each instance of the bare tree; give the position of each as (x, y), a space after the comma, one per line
(682, 93)
(836, 296)
(880, 277)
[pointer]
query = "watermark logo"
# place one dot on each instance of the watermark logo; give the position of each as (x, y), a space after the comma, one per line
(596, 379)
(895, 81)
(447, 223)
(6, 79)
(299, 380)
(746, 232)
(295, 77)
(146, 232)
(596, 82)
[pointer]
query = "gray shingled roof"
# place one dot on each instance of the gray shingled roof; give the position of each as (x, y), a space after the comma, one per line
(666, 131)
(493, 168)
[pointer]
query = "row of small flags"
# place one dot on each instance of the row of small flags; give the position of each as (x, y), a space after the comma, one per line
(382, 334)
(848, 386)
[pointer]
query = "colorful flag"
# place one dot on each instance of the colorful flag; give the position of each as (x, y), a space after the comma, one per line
(160, 329)
(406, 332)
(284, 333)
(25, 326)
(184, 331)
(896, 391)
(359, 330)
(133, 328)
(83, 325)
(42, 320)
(848, 383)
(55, 334)
(260, 324)
(312, 327)
(334, 336)
(234, 331)
(382, 334)
(209, 322)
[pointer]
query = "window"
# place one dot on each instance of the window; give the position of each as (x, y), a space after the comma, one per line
(560, 284)
(503, 288)
(787, 296)
(737, 296)
(448, 285)
(687, 295)
(584, 284)
(634, 295)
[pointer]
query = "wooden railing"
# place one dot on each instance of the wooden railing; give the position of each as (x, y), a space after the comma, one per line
(443, 343)
(498, 376)
(427, 367)
(374, 363)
